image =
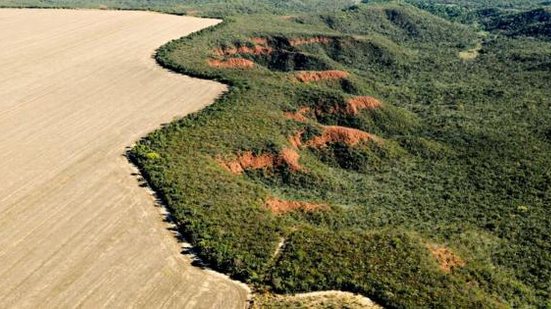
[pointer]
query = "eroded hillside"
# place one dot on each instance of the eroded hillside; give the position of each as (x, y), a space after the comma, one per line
(389, 165)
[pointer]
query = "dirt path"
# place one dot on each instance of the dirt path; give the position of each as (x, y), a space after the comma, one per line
(76, 88)
(474, 52)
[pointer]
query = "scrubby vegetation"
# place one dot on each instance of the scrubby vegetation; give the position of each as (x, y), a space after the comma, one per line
(218, 8)
(534, 23)
(437, 195)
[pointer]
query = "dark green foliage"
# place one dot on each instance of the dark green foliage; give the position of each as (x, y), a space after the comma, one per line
(464, 160)
(369, 51)
(289, 61)
(392, 267)
(211, 8)
(200, 213)
(536, 23)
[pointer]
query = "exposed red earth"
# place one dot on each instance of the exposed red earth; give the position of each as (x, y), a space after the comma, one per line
(334, 134)
(249, 160)
(298, 115)
(446, 258)
(312, 40)
(232, 63)
(315, 76)
(355, 105)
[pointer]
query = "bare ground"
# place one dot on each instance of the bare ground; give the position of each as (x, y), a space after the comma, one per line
(76, 230)
(322, 299)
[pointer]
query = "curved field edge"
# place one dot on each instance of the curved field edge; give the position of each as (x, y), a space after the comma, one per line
(225, 218)
(74, 196)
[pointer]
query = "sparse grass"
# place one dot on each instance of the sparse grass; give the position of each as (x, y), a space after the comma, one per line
(472, 53)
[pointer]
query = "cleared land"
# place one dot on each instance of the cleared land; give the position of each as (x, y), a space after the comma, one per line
(76, 88)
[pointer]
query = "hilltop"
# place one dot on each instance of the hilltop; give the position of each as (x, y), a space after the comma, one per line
(532, 23)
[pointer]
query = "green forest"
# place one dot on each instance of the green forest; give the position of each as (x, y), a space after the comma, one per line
(396, 149)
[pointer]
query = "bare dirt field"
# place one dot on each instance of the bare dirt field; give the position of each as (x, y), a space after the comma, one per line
(76, 230)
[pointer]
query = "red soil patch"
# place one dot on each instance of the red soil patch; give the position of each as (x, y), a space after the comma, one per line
(314, 76)
(296, 140)
(355, 105)
(256, 50)
(231, 63)
(279, 207)
(260, 41)
(334, 134)
(260, 48)
(445, 257)
(248, 160)
(290, 157)
(303, 41)
(298, 115)
(233, 167)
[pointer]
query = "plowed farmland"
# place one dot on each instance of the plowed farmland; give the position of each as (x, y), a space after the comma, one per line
(76, 229)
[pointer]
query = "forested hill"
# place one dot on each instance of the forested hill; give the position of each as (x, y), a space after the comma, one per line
(533, 23)
(472, 12)
(395, 153)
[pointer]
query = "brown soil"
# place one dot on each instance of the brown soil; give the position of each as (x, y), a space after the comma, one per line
(233, 167)
(245, 50)
(334, 134)
(260, 41)
(296, 139)
(355, 105)
(248, 160)
(291, 158)
(446, 258)
(260, 48)
(298, 115)
(322, 299)
(77, 87)
(314, 76)
(303, 41)
(279, 207)
(232, 63)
